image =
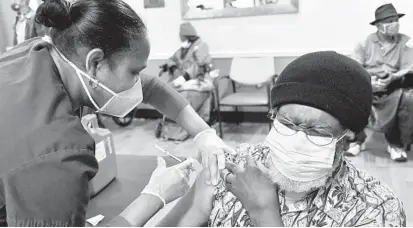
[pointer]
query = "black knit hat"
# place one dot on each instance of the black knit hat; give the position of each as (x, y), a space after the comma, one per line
(330, 82)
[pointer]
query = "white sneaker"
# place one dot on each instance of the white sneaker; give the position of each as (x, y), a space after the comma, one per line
(397, 154)
(354, 149)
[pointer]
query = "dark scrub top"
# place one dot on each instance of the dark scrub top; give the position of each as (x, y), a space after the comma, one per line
(46, 156)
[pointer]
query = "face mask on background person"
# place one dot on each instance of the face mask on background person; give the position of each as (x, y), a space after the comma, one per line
(120, 104)
(296, 157)
(185, 44)
(390, 29)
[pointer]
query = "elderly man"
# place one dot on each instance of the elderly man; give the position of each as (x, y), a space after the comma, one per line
(387, 57)
(297, 176)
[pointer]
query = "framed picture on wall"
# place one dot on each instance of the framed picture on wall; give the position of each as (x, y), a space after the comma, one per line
(154, 4)
(203, 9)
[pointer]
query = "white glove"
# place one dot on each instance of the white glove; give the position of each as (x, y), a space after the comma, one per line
(169, 183)
(211, 153)
(179, 81)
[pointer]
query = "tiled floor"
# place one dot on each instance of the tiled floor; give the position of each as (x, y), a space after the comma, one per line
(139, 139)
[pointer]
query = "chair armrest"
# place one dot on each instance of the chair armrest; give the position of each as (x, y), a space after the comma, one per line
(219, 78)
(272, 79)
(270, 83)
(216, 84)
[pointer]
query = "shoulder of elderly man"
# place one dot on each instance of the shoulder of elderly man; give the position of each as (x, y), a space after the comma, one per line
(366, 188)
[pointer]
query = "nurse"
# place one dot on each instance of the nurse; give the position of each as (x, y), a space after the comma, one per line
(93, 57)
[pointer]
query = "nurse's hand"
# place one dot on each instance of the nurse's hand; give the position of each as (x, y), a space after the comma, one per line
(211, 153)
(169, 183)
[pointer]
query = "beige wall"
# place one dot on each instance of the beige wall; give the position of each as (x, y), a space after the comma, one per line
(319, 25)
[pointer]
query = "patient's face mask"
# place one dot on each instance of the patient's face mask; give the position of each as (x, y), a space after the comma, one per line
(298, 158)
(120, 104)
(390, 29)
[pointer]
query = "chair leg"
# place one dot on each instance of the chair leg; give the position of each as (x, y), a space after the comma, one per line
(220, 122)
(269, 110)
(159, 128)
(237, 113)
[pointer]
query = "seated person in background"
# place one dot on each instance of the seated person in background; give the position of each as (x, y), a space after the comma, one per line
(387, 58)
(189, 68)
(298, 175)
(25, 26)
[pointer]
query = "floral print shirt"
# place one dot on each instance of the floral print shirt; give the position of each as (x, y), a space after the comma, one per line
(350, 198)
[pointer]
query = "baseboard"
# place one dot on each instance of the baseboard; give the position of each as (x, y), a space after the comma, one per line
(228, 117)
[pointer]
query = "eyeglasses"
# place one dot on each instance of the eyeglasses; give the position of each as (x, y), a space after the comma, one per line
(319, 137)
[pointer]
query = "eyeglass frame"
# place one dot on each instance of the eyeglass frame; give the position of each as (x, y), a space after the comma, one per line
(329, 134)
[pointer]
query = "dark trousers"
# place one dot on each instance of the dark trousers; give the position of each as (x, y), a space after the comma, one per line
(399, 131)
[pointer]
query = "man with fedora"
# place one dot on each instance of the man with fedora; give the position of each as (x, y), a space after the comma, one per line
(388, 58)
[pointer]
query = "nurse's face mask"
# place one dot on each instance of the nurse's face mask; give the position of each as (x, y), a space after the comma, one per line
(120, 104)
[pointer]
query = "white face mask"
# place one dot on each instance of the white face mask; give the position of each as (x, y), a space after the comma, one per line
(390, 29)
(186, 44)
(299, 159)
(120, 104)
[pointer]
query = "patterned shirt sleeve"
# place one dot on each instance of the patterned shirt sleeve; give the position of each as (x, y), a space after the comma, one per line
(393, 213)
(390, 213)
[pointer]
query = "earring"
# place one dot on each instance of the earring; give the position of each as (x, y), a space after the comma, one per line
(94, 84)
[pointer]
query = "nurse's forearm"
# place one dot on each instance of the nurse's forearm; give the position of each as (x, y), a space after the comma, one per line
(141, 210)
(191, 121)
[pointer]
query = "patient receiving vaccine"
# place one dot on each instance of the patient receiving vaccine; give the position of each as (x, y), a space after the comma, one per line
(297, 176)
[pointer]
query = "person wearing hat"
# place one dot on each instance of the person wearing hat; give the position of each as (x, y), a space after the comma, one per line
(387, 56)
(298, 175)
(25, 26)
(188, 70)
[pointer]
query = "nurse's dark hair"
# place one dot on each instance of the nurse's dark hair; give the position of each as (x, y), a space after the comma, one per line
(111, 25)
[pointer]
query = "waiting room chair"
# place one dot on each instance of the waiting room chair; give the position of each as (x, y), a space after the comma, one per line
(256, 71)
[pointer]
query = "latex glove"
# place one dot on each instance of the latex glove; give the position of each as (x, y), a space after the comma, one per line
(179, 81)
(211, 153)
(252, 185)
(169, 183)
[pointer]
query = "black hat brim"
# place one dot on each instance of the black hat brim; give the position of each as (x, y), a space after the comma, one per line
(374, 22)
